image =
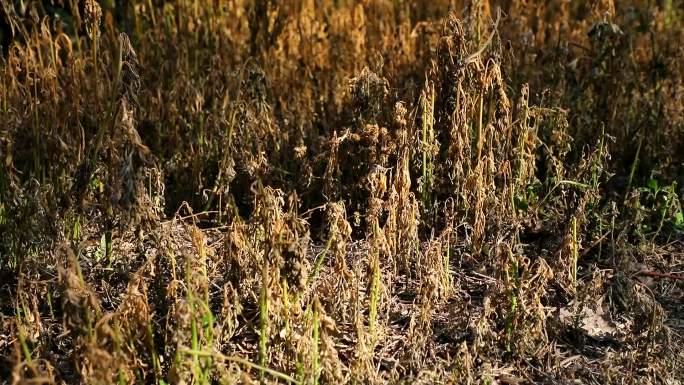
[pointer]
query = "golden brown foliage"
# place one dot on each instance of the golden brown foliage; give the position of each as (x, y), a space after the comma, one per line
(341, 192)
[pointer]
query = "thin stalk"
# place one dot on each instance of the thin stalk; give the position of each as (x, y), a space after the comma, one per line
(263, 321)
(513, 299)
(428, 106)
(319, 262)
(156, 364)
(194, 338)
(575, 253)
(633, 168)
(374, 294)
(447, 261)
(479, 127)
(668, 200)
(5, 89)
(572, 183)
(316, 341)
(36, 132)
(24, 346)
(95, 69)
(242, 361)
(152, 17)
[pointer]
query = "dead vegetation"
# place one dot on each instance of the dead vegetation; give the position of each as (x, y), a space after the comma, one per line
(341, 192)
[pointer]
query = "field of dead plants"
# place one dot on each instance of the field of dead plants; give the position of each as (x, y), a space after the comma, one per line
(342, 192)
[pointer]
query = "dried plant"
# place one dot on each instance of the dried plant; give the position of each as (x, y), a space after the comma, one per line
(341, 192)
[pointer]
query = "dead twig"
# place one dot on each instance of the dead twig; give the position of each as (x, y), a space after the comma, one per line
(656, 274)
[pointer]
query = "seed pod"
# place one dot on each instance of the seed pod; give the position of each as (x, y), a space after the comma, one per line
(93, 15)
(130, 80)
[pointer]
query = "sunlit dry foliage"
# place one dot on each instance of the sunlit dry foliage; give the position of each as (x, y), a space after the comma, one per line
(259, 191)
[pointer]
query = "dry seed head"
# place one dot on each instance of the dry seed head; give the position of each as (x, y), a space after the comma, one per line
(368, 92)
(400, 114)
(93, 15)
(339, 231)
(337, 222)
(130, 79)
